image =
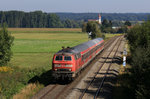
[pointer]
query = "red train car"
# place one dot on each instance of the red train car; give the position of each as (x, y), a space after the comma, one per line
(68, 62)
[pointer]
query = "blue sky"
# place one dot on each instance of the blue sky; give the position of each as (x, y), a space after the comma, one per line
(107, 6)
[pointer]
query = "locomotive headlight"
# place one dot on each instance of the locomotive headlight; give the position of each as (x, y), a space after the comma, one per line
(57, 65)
(68, 65)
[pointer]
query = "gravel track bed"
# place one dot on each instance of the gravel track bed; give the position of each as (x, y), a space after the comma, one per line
(76, 92)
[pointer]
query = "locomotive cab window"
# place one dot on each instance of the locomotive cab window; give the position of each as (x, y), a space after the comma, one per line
(59, 58)
(67, 58)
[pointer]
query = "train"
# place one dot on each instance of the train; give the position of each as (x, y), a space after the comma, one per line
(70, 61)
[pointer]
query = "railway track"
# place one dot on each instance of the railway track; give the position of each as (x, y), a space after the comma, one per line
(111, 54)
(56, 91)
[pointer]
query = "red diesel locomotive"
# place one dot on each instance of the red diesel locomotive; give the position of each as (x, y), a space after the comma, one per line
(68, 62)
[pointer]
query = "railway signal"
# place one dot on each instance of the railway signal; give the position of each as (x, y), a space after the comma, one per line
(124, 63)
(124, 57)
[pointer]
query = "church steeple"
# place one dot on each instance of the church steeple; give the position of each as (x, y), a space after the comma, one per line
(100, 19)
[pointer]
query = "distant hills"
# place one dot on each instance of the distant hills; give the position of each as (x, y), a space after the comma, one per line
(109, 16)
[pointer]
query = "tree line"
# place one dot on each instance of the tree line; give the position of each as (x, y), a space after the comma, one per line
(139, 74)
(36, 19)
(41, 19)
(109, 16)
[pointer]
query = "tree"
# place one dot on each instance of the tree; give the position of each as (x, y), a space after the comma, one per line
(123, 29)
(84, 27)
(6, 41)
(128, 23)
(93, 28)
(105, 23)
(106, 26)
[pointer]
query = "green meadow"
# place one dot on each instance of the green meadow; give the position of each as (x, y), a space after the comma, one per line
(34, 48)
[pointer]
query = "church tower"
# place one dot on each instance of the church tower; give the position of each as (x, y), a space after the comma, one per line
(100, 19)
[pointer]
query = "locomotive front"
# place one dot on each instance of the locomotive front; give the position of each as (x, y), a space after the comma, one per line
(63, 65)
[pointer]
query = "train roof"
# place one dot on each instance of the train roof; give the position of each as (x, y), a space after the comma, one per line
(80, 47)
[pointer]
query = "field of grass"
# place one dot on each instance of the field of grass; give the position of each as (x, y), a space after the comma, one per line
(34, 48)
(108, 35)
(45, 29)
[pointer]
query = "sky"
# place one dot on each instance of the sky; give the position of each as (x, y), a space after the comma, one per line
(78, 6)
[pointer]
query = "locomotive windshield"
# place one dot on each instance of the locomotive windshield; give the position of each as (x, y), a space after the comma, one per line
(67, 58)
(59, 58)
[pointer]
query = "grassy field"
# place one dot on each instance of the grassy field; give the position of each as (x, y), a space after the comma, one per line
(108, 35)
(35, 47)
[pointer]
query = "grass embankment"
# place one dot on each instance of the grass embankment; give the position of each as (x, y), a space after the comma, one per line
(122, 90)
(33, 51)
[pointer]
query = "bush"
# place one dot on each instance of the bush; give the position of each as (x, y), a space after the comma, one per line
(10, 83)
(13, 81)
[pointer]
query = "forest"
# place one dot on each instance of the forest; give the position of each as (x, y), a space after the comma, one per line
(108, 16)
(36, 19)
(39, 19)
